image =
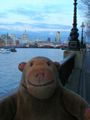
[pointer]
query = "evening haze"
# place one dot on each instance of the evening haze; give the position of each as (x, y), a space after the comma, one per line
(40, 18)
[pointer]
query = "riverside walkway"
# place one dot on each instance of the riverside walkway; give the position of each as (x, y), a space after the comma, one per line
(86, 71)
(79, 81)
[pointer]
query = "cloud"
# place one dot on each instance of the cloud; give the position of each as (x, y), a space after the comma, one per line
(39, 13)
(51, 8)
(3, 14)
(20, 26)
(31, 12)
(51, 26)
(22, 11)
(37, 16)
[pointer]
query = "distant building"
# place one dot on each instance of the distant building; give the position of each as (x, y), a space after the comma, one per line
(38, 40)
(7, 39)
(25, 36)
(30, 42)
(23, 41)
(54, 40)
(66, 41)
(2, 42)
(18, 38)
(17, 42)
(58, 37)
(12, 36)
(48, 39)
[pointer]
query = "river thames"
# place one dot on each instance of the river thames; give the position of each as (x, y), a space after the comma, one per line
(10, 76)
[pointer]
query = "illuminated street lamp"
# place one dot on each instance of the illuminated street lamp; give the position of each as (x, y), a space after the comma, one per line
(82, 42)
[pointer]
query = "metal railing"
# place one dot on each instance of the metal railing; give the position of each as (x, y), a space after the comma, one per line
(67, 66)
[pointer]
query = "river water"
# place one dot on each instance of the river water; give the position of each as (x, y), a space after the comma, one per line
(10, 76)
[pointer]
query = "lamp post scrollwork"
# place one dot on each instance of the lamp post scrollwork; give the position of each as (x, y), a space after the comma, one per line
(74, 42)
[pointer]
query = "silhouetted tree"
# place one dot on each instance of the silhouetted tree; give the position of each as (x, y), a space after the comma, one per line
(85, 7)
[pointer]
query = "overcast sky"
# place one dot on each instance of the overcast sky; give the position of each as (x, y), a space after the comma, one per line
(37, 15)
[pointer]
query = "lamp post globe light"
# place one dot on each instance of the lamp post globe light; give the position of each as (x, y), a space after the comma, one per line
(82, 42)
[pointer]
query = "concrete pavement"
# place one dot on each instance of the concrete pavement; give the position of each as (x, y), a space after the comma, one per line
(79, 80)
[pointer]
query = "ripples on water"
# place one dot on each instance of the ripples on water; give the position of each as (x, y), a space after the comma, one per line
(10, 76)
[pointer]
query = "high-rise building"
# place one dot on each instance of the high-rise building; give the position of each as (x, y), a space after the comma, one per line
(58, 37)
(48, 39)
(12, 36)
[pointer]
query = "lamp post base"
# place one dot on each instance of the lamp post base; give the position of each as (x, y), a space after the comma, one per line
(74, 45)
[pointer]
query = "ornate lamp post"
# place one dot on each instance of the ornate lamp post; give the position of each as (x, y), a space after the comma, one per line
(74, 42)
(82, 42)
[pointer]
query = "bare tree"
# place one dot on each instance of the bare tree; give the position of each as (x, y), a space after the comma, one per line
(85, 8)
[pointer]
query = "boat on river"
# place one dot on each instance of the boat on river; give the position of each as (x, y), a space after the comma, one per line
(3, 50)
(13, 50)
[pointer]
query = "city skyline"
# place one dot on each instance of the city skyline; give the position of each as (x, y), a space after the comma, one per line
(37, 17)
(42, 35)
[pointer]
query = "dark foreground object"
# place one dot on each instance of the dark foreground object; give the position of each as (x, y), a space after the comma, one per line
(41, 95)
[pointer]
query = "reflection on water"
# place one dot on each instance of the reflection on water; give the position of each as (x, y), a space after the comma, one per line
(10, 76)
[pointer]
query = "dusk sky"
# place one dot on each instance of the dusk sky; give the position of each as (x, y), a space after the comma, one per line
(37, 15)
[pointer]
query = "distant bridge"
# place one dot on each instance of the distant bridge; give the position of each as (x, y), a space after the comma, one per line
(52, 45)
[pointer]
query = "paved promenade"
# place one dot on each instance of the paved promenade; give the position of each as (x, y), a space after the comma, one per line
(79, 81)
(86, 70)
